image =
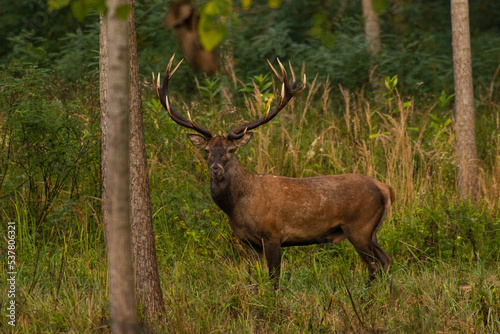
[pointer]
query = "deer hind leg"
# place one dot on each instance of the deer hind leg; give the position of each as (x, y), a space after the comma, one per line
(368, 254)
(382, 256)
(365, 242)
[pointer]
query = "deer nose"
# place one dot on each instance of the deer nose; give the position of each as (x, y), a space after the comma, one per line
(216, 169)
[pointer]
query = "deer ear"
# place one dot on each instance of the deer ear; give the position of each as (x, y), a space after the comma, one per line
(244, 140)
(197, 140)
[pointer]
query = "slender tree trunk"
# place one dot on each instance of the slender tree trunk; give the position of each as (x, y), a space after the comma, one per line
(116, 175)
(143, 239)
(468, 171)
(372, 34)
(372, 26)
(103, 89)
(226, 66)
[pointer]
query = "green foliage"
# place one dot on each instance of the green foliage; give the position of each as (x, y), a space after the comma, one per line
(329, 38)
(27, 49)
(57, 4)
(83, 8)
(260, 85)
(212, 27)
(444, 100)
(445, 275)
(210, 89)
(321, 29)
(48, 144)
(379, 6)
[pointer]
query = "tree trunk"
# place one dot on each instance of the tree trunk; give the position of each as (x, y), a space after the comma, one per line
(372, 26)
(226, 66)
(143, 239)
(468, 171)
(116, 175)
(103, 90)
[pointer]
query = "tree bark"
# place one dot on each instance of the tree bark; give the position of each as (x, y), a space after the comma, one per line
(467, 170)
(103, 90)
(148, 288)
(372, 27)
(116, 175)
(226, 66)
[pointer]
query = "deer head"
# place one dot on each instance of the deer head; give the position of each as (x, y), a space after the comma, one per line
(220, 149)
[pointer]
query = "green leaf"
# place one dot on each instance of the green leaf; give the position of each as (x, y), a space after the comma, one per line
(387, 83)
(212, 25)
(379, 6)
(274, 3)
(80, 10)
(216, 8)
(57, 4)
(122, 11)
(99, 5)
(211, 32)
(245, 4)
(266, 86)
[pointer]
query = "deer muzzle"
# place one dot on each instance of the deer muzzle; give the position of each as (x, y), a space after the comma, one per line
(216, 171)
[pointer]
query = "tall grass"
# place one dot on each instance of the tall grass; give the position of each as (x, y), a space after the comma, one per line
(446, 272)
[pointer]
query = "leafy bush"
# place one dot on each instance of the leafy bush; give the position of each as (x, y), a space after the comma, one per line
(50, 143)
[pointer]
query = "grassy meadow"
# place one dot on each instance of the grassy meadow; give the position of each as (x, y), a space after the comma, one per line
(446, 273)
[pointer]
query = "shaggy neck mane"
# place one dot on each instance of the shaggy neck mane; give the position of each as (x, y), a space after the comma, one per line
(227, 191)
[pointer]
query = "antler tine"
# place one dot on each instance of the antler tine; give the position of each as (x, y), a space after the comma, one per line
(170, 63)
(288, 91)
(284, 78)
(291, 70)
(170, 74)
(267, 113)
(190, 119)
(162, 91)
(272, 68)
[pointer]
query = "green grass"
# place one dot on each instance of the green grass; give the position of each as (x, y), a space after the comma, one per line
(446, 274)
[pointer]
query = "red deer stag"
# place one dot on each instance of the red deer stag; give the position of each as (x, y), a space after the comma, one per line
(268, 212)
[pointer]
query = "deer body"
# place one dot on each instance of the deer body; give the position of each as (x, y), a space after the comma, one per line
(268, 212)
(308, 211)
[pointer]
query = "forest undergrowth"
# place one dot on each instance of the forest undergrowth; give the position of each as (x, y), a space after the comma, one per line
(446, 273)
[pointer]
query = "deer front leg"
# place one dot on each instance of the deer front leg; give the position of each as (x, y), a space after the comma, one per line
(272, 250)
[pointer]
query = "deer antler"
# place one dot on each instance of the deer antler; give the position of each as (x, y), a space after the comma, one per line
(288, 90)
(162, 91)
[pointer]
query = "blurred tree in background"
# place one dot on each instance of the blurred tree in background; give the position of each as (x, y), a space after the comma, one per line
(327, 35)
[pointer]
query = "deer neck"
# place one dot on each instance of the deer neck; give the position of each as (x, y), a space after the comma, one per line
(229, 190)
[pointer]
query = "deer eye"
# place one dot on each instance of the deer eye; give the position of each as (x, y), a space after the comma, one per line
(231, 150)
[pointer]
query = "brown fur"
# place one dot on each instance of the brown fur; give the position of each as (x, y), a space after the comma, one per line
(268, 212)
